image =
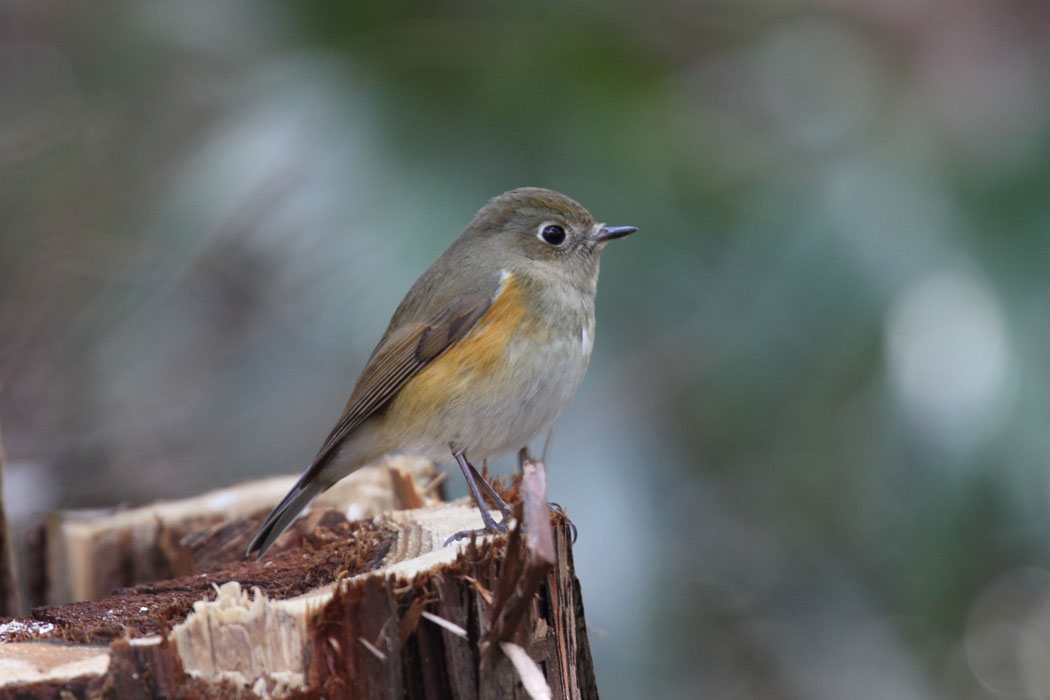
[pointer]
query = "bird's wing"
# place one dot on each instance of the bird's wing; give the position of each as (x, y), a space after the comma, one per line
(400, 356)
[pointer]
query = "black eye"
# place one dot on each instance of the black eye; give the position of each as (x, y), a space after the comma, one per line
(553, 234)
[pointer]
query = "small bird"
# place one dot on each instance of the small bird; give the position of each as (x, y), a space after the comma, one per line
(482, 354)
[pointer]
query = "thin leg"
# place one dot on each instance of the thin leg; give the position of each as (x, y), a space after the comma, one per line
(472, 477)
(494, 497)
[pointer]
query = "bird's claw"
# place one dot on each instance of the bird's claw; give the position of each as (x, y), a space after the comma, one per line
(572, 526)
(495, 528)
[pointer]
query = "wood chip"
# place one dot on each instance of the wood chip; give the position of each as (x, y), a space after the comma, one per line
(376, 651)
(531, 676)
(450, 626)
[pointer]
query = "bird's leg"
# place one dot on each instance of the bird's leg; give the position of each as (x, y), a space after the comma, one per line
(524, 456)
(473, 481)
(494, 497)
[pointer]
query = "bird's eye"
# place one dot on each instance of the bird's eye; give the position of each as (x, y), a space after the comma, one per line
(553, 234)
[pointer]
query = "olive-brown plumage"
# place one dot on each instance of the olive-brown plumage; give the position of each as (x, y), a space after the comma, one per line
(482, 353)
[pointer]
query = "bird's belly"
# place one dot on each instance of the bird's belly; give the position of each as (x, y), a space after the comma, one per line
(491, 395)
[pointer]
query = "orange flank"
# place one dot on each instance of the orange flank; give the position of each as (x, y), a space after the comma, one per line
(472, 359)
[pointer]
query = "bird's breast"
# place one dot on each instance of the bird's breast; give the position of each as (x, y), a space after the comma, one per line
(506, 379)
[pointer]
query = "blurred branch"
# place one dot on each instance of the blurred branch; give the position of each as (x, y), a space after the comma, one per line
(10, 602)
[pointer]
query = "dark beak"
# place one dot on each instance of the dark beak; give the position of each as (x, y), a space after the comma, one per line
(610, 232)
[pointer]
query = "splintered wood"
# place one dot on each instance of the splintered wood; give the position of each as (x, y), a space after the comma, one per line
(243, 638)
(370, 609)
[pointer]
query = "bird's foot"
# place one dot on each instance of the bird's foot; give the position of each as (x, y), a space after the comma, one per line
(572, 526)
(491, 528)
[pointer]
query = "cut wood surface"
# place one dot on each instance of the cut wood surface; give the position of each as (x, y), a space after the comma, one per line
(89, 553)
(376, 606)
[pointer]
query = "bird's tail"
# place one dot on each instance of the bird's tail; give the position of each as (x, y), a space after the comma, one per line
(304, 491)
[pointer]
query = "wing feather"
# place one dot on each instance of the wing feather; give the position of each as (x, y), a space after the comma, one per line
(400, 355)
(398, 358)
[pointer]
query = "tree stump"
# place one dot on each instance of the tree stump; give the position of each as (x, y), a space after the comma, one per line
(372, 606)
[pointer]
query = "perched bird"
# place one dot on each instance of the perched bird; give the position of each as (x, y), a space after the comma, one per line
(482, 354)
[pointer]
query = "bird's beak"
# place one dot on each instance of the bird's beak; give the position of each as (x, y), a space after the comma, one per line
(608, 233)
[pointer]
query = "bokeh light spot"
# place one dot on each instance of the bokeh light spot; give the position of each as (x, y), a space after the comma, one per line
(948, 358)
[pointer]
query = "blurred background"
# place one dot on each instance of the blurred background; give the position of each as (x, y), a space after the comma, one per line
(811, 458)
